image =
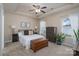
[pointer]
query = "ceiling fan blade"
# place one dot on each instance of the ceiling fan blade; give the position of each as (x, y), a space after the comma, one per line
(34, 6)
(44, 7)
(42, 11)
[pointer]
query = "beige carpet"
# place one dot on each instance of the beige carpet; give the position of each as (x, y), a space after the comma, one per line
(15, 49)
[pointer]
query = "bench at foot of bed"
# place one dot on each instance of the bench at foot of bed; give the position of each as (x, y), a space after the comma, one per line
(38, 44)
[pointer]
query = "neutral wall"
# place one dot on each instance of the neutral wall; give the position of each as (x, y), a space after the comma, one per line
(13, 19)
(57, 18)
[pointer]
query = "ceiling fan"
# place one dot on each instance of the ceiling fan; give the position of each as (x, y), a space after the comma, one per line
(38, 9)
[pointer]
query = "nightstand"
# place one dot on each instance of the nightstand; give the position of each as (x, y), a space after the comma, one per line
(15, 38)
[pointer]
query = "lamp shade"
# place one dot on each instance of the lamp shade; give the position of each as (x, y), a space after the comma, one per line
(36, 27)
(13, 27)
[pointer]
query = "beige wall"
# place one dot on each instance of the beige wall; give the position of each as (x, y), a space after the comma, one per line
(51, 20)
(57, 18)
(12, 19)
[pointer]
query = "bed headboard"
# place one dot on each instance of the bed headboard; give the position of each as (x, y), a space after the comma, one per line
(27, 32)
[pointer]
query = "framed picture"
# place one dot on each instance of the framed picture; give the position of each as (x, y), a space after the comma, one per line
(25, 25)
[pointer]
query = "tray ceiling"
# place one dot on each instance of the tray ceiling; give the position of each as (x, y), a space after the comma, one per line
(23, 8)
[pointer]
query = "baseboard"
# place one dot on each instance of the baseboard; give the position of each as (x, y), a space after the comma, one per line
(67, 45)
(7, 41)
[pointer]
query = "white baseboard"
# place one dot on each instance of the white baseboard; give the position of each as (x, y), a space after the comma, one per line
(7, 41)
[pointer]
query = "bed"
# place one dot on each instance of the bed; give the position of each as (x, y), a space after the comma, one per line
(25, 40)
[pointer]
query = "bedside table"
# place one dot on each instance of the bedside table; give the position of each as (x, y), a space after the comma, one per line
(15, 38)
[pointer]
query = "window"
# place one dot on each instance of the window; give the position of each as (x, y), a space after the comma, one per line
(67, 22)
(67, 26)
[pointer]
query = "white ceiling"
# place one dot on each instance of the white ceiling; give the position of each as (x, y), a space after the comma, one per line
(23, 8)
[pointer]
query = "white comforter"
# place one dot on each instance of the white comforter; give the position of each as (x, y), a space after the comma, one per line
(25, 40)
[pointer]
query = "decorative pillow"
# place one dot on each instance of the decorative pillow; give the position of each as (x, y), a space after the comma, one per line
(20, 34)
(26, 32)
(30, 32)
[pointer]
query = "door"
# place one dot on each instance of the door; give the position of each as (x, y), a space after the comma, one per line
(43, 28)
(0, 30)
(1, 39)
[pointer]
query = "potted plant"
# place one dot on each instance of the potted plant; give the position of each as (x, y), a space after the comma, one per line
(76, 33)
(60, 38)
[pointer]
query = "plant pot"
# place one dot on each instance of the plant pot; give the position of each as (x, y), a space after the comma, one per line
(59, 42)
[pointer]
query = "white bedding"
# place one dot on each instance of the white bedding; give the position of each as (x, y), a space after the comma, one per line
(26, 39)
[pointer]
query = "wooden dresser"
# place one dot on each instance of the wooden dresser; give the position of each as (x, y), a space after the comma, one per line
(51, 33)
(38, 44)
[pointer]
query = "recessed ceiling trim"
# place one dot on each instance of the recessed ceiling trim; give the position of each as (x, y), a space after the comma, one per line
(69, 6)
(20, 14)
(22, 9)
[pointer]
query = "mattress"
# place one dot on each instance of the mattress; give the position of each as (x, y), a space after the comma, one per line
(25, 40)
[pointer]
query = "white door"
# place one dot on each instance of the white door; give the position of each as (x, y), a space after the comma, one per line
(1, 19)
(43, 27)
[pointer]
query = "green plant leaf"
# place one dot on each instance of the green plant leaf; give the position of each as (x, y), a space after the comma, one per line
(76, 33)
(60, 37)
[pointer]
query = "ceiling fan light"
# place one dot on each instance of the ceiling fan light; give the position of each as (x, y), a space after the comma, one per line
(37, 10)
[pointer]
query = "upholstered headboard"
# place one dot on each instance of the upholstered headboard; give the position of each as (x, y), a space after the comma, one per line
(27, 32)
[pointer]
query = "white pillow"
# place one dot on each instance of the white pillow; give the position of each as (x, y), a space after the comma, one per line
(30, 32)
(20, 34)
